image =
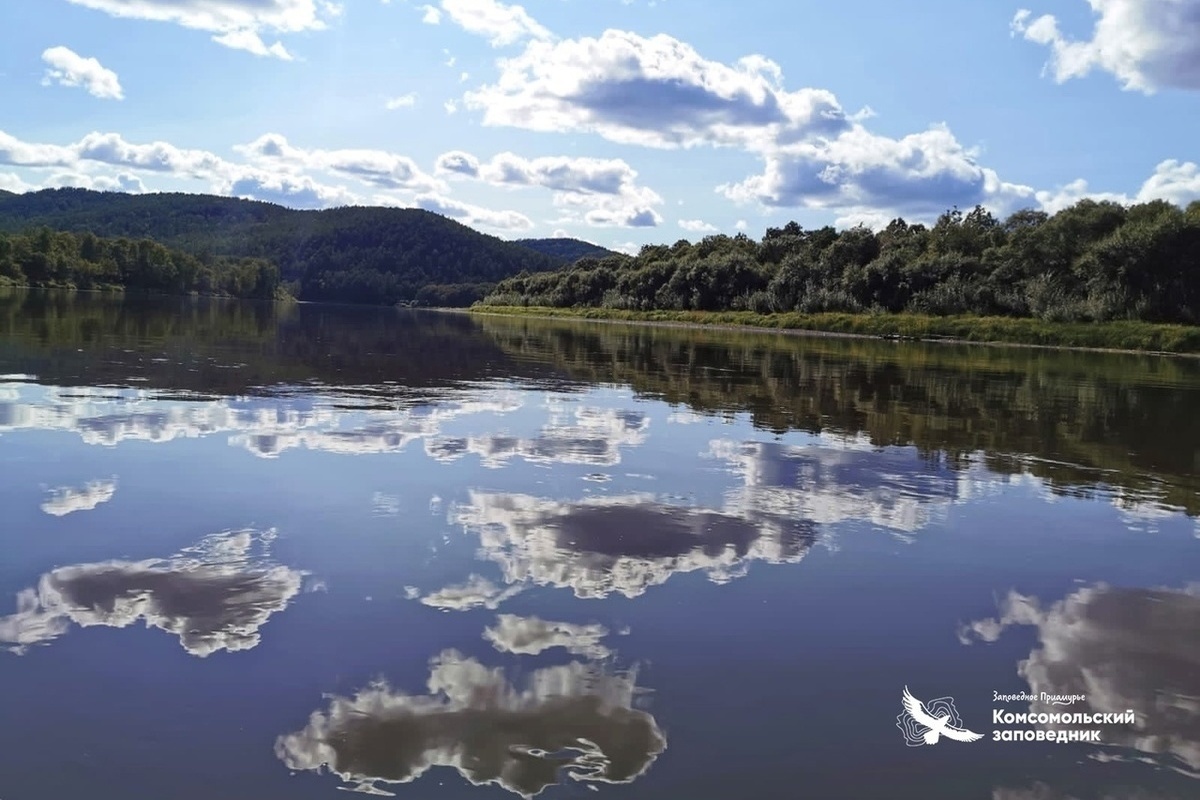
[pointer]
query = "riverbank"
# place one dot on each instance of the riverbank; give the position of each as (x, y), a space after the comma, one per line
(1120, 336)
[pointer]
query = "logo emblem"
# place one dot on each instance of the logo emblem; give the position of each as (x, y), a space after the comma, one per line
(926, 723)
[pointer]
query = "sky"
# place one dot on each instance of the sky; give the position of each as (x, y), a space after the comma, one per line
(621, 122)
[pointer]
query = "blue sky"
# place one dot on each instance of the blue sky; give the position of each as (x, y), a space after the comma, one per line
(621, 122)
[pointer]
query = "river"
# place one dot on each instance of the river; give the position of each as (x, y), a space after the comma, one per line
(270, 552)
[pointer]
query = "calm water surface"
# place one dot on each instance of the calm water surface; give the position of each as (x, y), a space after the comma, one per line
(259, 553)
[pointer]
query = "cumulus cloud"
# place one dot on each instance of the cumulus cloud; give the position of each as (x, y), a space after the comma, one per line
(377, 168)
(273, 169)
(431, 15)
(531, 636)
(1175, 181)
(575, 721)
(697, 226)
(214, 596)
(67, 68)
(238, 24)
(501, 23)
(591, 436)
(67, 500)
(606, 190)
(163, 158)
(583, 545)
(474, 215)
(1123, 649)
(858, 171)
(456, 162)
(656, 92)
(1145, 44)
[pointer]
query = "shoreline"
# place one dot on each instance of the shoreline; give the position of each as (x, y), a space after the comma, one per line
(723, 323)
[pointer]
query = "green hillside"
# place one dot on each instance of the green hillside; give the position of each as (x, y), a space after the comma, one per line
(360, 255)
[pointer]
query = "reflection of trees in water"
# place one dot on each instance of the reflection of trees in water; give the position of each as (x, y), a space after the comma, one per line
(220, 347)
(572, 721)
(1077, 420)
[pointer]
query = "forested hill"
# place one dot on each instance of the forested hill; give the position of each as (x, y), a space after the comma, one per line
(567, 249)
(1093, 261)
(354, 254)
(56, 259)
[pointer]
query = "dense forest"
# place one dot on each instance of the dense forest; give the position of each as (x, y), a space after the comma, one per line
(566, 249)
(1093, 261)
(361, 255)
(46, 258)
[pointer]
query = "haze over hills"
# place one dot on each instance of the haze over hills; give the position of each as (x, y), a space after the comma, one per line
(349, 254)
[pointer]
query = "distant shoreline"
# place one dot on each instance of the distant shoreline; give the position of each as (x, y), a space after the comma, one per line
(1138, 338)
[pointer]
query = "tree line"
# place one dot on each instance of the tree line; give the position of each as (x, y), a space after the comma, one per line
(1093, 261)
(47, 259)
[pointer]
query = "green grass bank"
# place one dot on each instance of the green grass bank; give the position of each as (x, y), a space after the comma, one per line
(1121, 335)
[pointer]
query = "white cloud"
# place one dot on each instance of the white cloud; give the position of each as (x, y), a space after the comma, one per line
(741, 225)
(473, 215)
(377, 168)
(67, 500)
(1145, 44)
(401, 101)
(431, 15)
(1119, 648)
(532, 636)
(500, 23)
(656, 92)
(450, 106)
(697, 226)
(11, 182)
(294, 191)
(1175, 181)
(68, 68)
(122, 182)
(213, 596)
(606, 190)
(576, 719)
(238, 24)
(862, 172)
(456, 162)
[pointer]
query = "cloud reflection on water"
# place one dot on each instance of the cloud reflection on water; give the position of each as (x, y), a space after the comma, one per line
(67, 500)
(575, 720)
(594, 436)
(532, 636)
(214, 596)
(1123, 649)
(622, 544)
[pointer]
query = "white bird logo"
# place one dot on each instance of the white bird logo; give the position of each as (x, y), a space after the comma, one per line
(946, 723)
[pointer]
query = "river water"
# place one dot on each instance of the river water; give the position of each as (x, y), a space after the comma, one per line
(257, 552)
